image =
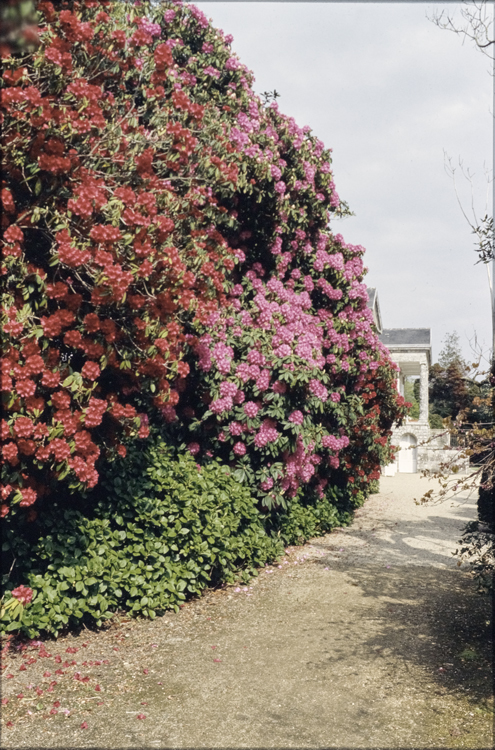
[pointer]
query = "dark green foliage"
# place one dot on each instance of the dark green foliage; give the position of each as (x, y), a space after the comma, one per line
(480, 409)
(307, 518)
(161, 531)
(157, 531)
(411, 394)
(486, 510)
(449, 393)
(436, 421)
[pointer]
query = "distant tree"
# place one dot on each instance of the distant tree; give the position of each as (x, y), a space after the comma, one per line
(451, 352)
(449, 392)
(416, 389)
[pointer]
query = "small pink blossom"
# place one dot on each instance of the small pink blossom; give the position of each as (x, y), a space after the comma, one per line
(235, 428)
(297, 417)
(279, 387)
(239, 449)
(251, 409)
(267, 484)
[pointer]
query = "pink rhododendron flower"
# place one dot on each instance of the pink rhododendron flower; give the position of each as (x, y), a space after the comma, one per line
(221, 405)
(267, 484)
(297, 417)
(251, 409)
(279, 387)
(318, 389)
(235, 428)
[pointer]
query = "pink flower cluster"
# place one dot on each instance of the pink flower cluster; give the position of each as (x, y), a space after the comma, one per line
(251, 409)
(327, 288)
(266, 434)
(297, 417)
(223, 355)
(235, 428)
(318, 389)
(221, 405)
(228, 389)
(299, 467)
(267, 484)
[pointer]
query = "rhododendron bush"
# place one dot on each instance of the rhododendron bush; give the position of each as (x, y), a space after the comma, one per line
(167, 260)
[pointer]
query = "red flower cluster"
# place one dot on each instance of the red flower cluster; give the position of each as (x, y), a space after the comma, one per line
(23, 594)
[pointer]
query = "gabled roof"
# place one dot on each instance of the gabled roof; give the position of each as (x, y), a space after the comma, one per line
(406, 337)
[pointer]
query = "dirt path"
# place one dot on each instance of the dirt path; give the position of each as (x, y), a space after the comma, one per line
(370, 637)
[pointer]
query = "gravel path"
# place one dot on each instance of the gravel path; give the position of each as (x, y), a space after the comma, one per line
(370, 637)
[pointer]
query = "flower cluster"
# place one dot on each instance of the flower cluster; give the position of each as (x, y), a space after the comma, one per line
(23, 594)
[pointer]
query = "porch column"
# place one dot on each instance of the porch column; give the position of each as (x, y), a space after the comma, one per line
(423, 393)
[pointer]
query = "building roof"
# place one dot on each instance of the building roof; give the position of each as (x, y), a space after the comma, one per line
(406, 337)
(374, 307)
(371, 296)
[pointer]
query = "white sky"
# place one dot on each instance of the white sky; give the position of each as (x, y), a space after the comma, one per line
(389, 92)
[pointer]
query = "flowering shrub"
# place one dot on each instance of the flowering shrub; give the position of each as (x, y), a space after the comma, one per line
(306, 397)
(112, 195)
(167, 256)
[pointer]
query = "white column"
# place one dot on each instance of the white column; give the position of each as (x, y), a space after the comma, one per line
(423, 393)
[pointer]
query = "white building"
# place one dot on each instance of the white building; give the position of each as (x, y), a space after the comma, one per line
(420, 447)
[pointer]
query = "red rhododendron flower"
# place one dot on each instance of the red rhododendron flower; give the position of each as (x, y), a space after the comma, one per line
(90, 370)
(61, 400)
(26, 447)
(25, 388)
(35, 364)
(28, 497)
(13, 234)
(50, 379)
(10, 453)
(23, 427)
(23, 594)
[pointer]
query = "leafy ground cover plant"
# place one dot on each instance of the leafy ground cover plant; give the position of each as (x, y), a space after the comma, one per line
(159, 531)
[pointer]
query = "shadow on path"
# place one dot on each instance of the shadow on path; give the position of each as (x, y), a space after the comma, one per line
(429, 617)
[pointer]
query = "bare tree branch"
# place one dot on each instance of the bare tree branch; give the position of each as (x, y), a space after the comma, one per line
(476, 24)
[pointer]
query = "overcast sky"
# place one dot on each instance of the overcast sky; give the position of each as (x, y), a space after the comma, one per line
(389, 92)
